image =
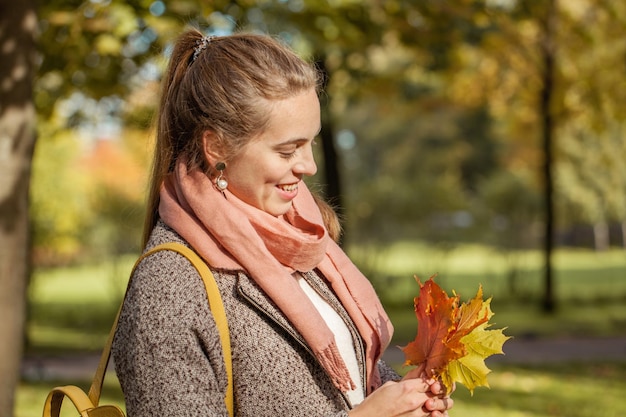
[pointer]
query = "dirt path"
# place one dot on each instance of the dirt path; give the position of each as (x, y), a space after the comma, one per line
(517, 351)
(537, 351)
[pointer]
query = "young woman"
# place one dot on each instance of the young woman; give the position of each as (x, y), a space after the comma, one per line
(237, 122)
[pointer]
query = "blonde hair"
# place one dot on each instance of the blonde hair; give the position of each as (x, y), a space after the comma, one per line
(220, 84)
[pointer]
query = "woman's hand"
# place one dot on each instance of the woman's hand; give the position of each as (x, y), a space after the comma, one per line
(414, 396)
(440, 400)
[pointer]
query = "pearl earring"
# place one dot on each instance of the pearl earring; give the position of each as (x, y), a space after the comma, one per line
(220, 181)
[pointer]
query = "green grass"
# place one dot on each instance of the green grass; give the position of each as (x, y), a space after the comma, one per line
(589, 287)
(579, 275)
(99, 283)
(72, 309)
(565, 390)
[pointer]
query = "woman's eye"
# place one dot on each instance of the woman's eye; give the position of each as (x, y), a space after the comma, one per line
(288, 154)
(291, 150)
(288, 151)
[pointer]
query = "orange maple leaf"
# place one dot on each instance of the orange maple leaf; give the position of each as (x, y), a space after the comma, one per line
(436, 314)
(468, 317)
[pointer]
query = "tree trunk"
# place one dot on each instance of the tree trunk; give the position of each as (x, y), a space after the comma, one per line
(18, 24)
(332, 174)
(601, 236)
(547, 132)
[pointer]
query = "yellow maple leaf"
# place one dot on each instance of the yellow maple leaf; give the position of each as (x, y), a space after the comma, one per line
(471, 370)
(453, 340)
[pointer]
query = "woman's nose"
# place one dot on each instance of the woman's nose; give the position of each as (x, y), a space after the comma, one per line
(306, 165)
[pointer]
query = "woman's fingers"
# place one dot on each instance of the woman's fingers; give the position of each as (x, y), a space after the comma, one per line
(405, 398)
(438, 388)
(439, 404)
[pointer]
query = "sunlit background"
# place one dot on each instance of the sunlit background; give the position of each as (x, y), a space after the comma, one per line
(480, 140)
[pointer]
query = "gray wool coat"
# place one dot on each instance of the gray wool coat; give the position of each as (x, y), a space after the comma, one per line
(168, 356)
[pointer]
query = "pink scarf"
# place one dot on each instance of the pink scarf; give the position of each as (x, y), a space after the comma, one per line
(232, 235)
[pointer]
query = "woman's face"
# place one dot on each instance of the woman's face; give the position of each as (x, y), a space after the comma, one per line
(268, 170)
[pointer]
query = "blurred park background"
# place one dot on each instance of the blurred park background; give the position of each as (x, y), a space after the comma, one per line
(480, 140)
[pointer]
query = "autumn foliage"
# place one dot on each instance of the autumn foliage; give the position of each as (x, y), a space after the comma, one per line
(452, 339)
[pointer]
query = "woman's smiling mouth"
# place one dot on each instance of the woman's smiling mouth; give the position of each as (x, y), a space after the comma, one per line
(288, 187)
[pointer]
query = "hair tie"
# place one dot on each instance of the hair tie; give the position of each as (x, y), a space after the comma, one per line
(201, 45)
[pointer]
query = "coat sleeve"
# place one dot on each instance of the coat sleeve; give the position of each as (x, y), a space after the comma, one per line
(387, 373)
(167, 350)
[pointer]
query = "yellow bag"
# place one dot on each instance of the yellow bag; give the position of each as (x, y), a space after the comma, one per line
(87, 404)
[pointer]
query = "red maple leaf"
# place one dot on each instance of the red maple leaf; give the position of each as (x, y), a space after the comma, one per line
(436, 314)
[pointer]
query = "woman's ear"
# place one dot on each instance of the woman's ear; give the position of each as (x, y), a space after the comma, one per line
(210, 147)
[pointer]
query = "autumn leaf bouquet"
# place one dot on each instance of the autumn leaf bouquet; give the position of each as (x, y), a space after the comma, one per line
(453, 339)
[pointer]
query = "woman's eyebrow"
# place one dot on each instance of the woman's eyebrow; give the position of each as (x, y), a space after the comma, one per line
(296, 141)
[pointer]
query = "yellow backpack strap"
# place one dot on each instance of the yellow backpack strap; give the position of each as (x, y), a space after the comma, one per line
(52, 406)
(80, 400)
(217, 308)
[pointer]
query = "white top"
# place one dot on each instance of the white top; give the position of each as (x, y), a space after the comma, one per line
(342, 337)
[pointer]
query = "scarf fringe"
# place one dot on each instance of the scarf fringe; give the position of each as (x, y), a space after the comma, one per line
(330, 358)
